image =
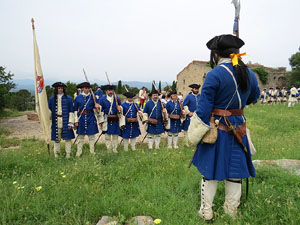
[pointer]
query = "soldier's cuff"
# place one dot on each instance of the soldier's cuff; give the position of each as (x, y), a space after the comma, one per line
(186, 109)
(145, 117)
(75, 117)
(71, 118)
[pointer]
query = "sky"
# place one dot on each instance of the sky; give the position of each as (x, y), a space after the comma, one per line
(139, 40)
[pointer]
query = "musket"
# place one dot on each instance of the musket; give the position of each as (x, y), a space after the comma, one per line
(164, 114)
(92, 93)
(144, 137)
(75, 140)
(137, 109)
(98, 138)
(169, 86)
(115, 96)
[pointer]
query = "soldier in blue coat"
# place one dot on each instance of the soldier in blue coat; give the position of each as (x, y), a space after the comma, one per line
(85, 117)
(190, 104)
(62, 116)
(98, 95)
(175, 112)
(227, 89)
(132, 113)
(112, 119)
(154, 116)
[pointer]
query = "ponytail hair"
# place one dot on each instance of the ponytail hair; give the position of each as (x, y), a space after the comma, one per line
(241, 69)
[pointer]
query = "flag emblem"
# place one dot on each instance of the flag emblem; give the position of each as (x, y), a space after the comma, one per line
(39, 83)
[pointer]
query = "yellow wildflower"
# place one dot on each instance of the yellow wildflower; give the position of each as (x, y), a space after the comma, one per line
(28, 175)
(157, 221)
(15, 182)
(20, 188)
(64, 176)
(62, 173)
(38, 188)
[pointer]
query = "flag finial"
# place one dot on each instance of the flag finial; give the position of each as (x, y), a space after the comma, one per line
(32, 21)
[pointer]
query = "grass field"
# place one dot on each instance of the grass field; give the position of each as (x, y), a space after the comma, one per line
(9, 113)
(38, 189)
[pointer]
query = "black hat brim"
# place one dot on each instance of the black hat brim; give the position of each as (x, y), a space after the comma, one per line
(224, 42)
(129, 95)
(197, 86)
(59, 84)
(84, 85)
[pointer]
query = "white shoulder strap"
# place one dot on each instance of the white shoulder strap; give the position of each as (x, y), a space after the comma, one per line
(236, 86)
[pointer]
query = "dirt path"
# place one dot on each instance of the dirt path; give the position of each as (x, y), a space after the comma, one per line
(21, 127)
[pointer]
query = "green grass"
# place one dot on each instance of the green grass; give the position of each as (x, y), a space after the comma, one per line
(275, 131)
(9, 113)
(156, 183)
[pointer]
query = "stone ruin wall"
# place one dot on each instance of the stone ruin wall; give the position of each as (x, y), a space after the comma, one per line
(195, 73)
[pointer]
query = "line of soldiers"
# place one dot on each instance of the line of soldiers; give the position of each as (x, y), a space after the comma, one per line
(93, 112)
(277, 96)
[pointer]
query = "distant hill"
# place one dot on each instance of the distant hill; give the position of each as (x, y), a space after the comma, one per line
(28, 84)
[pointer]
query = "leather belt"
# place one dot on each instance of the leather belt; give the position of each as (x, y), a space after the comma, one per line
(111, 118)
(59, 115)
(85, 111)
(228, 112)
(223, 127)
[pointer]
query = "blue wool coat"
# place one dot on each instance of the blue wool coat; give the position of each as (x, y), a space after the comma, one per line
(98, 95)
(225, 158)
(67, 107)
(113, 127)
(191, 101)
(156, 114)
(174, 108)
(131, 130)
(87, 124)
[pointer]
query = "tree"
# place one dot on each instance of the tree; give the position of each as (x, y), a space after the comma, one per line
(159, 85)
(71, 88)
(49, 91)
(294, 78)
(94, 87)
(174, 85)
(21, 100)
(294, 75)
(6, 84)
(153, 86)
(262, 74)
(295, 61)
(119, 87)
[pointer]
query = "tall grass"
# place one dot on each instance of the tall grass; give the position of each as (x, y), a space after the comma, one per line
(155, 183)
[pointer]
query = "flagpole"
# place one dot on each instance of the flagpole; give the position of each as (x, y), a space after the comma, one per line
(41, 101)
(236, 24)
(238, 28)
(32, 21)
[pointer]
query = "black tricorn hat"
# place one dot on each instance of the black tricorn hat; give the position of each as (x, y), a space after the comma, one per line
(129, 94)
(108, 87)
(59, 84)
(225, 41)
(172, 93)
(84, 84)
(197, 86)
(153, 92)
